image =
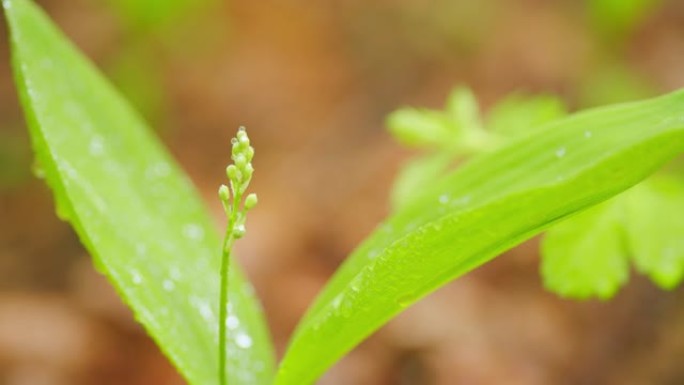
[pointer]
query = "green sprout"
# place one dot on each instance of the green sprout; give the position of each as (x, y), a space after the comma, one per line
(239, 175)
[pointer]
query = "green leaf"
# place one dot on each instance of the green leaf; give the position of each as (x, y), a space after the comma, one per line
(463, 109)
(417, 174)
(421, 127)
(132, 206)
(585, 256)
(656, 229)
(519, 115)
(494, 203)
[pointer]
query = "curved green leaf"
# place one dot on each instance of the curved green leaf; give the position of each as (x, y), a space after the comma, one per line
(484, 208)
(132, 207)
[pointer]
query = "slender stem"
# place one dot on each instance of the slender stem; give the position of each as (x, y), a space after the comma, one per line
(228, 241)
(223, 313)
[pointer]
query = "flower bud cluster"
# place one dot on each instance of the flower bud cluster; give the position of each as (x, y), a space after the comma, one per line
(239, 175)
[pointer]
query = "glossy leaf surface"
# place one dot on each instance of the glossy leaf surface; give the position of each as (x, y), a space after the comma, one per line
(484, 208)
(132, 206)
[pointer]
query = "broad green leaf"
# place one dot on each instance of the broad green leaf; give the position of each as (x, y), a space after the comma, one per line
(519, 114)
(585, 256)
(132, 207)
(493, 203)
(656, 229)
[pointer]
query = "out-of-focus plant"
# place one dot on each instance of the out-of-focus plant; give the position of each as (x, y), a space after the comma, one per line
(153, 31)
(459, 131)
(610, 78)
(616, 19)
(151, 14)
(143, 222)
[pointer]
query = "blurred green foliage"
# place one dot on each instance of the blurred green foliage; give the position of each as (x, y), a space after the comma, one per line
(459, 131)
(155, 14)
(616, 19)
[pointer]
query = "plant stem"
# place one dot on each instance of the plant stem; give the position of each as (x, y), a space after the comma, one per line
(223, 312)
(228, 241)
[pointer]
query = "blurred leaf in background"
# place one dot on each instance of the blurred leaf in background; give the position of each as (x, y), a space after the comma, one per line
(154, 33)
(459, 131)
(616, 19)
(589, 255)
(613, 82)
(611, 78)
(155, 14)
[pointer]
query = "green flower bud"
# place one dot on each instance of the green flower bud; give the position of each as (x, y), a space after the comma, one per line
(232, 173)
(224, 193)
(250, 201)
(240, 161)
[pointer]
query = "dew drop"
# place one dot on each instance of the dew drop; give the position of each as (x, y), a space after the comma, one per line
(193, 231)
(560, 152)
(168, 285)
(444, 199)
(232, 322)
(243, 340)
(175, 273)
(137, 278)
(96, 146)
(158, 170)
(406, 300)
(462, 201)
(373, 254)
(206, 312)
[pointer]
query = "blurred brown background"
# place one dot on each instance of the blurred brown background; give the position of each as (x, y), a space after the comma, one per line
(313, 81)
